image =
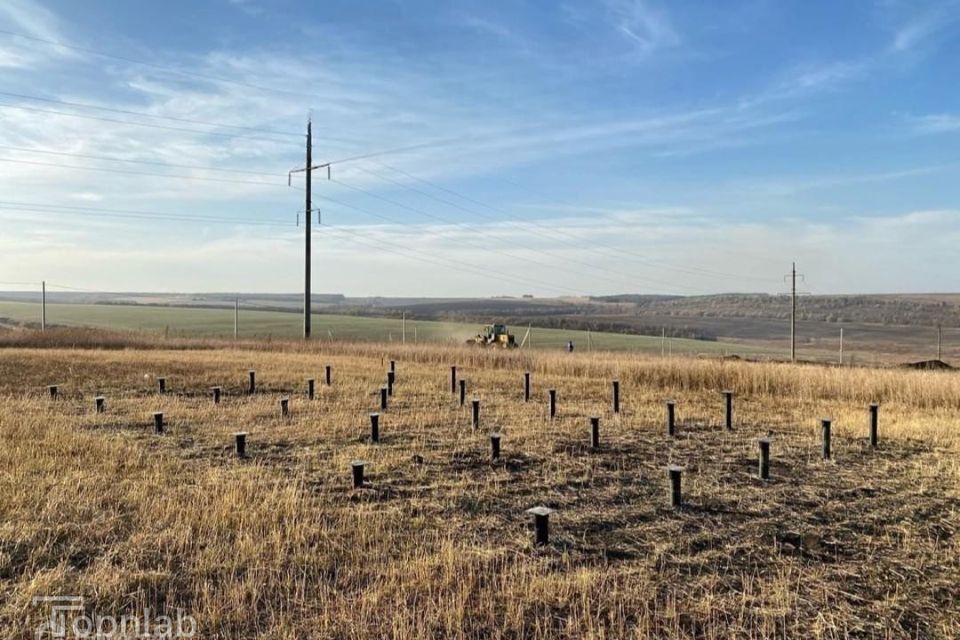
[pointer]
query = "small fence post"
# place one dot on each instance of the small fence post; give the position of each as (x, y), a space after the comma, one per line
(162, 385)
(553, 402)
(728, 410)
(328, 375)
(676, 498)
(494, 446)
(541, 524)
(311, 388)
(595, 432)
(825, 437)
(391, 376)
(240, 443)
(284, 407)
(526, 386)
(158, 422)
(476, 412)
(393, 366)
(874, 420)
(54, 391)
(453, 378)
(253, 382)
(216, 394)
(463, 391)
(671, 418)
(374, 427)
(357, 466)
(764, 458)
(99, 403)
(616, 396)
(383, 398)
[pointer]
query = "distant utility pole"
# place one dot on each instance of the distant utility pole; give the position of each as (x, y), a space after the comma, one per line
(793, 310)
(841, 346)
(403, 327)
(43, 305)
(307, 212)
(236, 318)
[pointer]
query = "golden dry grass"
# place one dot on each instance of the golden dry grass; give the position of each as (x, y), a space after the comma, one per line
(438, 545)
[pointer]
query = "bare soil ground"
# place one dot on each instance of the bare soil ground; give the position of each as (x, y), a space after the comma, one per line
(437, 543)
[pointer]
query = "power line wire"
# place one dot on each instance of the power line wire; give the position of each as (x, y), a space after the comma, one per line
(34, 207)
(150, 115)
(503, 253)
(607, 249)
(394, 221)
(144, 173)
(373, 154)
(149, 125)
(48, 285)
(147, 162)
(626, 254)
(378, 243)
(394, 150)
(626, 277)
(69, 288)
(399, 222)
(190, 74)
(456, 265)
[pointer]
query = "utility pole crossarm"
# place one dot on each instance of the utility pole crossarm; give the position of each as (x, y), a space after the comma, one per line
(309, 167)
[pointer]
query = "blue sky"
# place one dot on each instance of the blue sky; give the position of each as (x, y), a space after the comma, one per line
(533, 147)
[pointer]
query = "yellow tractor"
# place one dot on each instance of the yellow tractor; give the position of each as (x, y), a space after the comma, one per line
(494, 335)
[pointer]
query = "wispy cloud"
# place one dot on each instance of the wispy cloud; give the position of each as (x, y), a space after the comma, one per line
(782, 187)
(934, 123)
(32, 19)
(646, 28)
(808, 79)
(249, 7)
(924, 29)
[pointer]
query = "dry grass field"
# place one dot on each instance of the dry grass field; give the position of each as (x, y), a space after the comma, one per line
(437, 543)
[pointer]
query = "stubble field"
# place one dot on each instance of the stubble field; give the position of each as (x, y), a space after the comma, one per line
(437, 543)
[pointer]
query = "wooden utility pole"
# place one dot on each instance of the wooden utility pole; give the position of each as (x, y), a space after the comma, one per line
(403, 327)
(841, 346)
(793, 275)
(793, 313)
(236, 318)
(307, 213)
(43, 305)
